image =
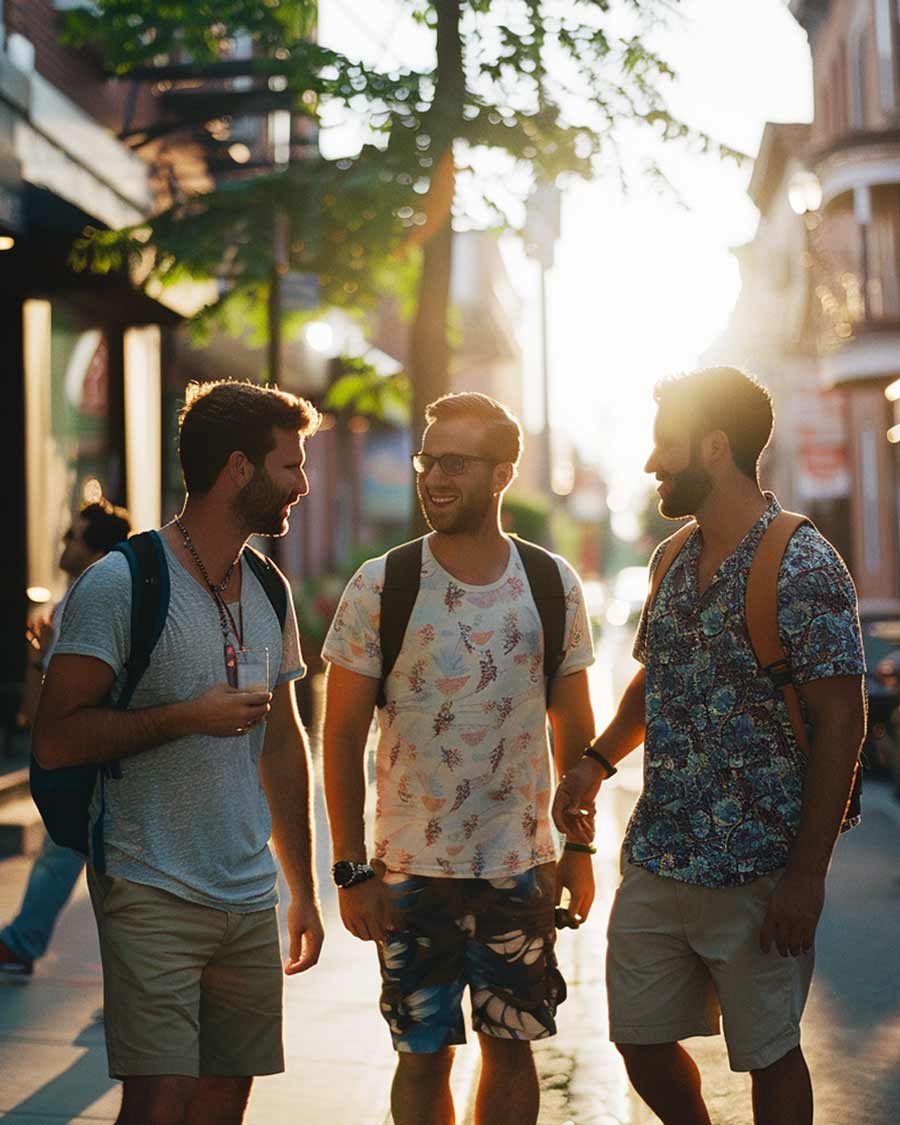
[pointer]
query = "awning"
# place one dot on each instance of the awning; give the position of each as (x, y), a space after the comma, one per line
(38, 266)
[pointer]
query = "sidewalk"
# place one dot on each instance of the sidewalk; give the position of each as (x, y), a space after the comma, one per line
(339, 1059)
(338, 1053)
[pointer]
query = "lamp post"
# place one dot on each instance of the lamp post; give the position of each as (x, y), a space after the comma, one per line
(542, 228)
(805, 199)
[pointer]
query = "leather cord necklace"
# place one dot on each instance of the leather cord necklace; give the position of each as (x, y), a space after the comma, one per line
(226, 618)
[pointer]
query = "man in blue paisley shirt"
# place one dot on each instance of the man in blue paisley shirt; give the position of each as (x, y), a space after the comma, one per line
(726, 853)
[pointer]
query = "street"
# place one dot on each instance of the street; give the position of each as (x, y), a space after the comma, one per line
(339, 1059)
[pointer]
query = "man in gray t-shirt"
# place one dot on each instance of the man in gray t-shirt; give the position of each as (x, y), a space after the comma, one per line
(210, 764)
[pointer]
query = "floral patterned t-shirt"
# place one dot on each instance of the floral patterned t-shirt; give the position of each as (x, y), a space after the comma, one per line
(723, 774)
(463, 763)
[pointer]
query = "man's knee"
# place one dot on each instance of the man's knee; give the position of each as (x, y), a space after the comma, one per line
(789, 1062)
(505, 1054)
(425, 1067)
(644, 1059)
(156, 1099)
(221, 1100)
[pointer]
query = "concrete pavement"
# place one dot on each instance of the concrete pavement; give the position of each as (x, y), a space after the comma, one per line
(339, 1059)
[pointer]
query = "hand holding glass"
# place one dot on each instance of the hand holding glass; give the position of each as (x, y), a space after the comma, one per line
(252, 669)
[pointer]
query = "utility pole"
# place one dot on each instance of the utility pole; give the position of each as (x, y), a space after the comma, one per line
(280, 235)
(542, 228)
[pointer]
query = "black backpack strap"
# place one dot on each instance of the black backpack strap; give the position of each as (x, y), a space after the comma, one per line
(550, 598)
(402, 572)
(272, 581)
(146, 559)
(149, 604)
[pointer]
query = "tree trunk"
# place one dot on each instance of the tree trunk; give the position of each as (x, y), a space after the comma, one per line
(429, 351)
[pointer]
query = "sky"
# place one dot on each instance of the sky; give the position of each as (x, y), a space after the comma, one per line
(642, 283)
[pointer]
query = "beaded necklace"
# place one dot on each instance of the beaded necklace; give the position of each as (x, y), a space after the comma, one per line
(226, 617)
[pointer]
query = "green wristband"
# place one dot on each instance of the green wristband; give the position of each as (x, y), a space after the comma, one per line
(571, 846)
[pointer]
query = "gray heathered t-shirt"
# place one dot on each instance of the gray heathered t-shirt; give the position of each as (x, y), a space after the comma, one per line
(191, 816)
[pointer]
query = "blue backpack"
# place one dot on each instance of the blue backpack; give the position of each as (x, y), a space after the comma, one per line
(63, 796)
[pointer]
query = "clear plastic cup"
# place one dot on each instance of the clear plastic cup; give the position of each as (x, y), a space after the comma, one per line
(252, 669)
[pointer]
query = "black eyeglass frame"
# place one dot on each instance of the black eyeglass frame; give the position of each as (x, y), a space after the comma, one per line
(463, 457)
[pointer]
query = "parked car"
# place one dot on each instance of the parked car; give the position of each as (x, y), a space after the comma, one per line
(880, 623)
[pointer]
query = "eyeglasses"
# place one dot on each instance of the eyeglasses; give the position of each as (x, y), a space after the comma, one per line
(452, 464)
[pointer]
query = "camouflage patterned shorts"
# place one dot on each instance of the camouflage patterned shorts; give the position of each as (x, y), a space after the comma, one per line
(494, 935)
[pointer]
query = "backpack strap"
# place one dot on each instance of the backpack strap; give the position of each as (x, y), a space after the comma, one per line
(149, 570)
(549, 596)
(669, 552)
(402, 573)
(761, 611)
(149, 604)
(271, 579)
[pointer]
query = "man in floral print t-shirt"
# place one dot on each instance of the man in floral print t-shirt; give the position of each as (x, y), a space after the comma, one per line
(463, 768)
(464, 845)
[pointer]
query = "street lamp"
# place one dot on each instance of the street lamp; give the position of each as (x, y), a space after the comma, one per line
(804, 193)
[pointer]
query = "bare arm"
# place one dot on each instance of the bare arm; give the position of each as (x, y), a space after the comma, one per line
(285, 772)
(349, 704)
(74, 724)
(582, 782)
(836, 708)
(572, 721)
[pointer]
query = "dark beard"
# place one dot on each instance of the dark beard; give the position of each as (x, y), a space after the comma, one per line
(467, 516)
(692, 486)
(258, 506)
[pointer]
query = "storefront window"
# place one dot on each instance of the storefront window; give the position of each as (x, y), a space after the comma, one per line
(73, 454)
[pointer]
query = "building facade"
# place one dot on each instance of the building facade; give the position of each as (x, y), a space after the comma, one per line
(818, 317)
(854, 151)
(82, 370)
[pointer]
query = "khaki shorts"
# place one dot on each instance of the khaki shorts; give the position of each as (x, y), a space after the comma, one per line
(679, 956)
(186, 989)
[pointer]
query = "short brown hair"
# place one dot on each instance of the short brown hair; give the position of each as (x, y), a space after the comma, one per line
(221, 417)
(726, 399)
(504, 433)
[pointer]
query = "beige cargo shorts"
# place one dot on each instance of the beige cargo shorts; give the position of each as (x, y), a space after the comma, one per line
(680, 957)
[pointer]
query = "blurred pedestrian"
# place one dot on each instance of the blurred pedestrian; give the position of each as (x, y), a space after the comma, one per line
(726, 853)
(185, 899)
(55, 870)
(464, 882)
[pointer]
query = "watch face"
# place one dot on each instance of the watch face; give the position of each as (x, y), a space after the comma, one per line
(343, 872)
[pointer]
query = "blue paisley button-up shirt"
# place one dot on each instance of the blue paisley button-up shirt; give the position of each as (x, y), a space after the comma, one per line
(723, 774)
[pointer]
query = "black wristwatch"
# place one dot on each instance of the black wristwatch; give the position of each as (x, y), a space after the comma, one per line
(346, 873)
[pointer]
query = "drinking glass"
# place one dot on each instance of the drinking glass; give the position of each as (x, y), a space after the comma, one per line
(252, 669)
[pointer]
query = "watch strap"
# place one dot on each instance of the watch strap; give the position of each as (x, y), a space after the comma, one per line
(608, 767)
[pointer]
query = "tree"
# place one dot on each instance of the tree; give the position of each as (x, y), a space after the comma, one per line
(544, 87)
